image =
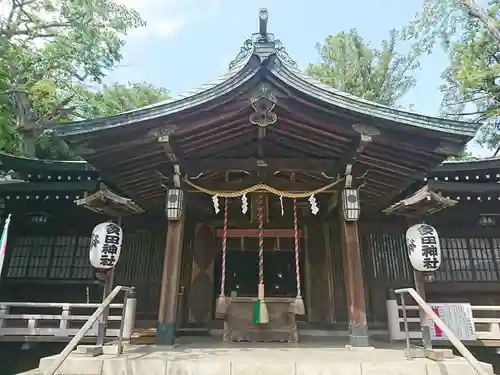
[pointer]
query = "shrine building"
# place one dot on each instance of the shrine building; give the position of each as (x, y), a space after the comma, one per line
(262, 189)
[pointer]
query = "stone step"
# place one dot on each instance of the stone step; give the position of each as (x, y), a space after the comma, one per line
(254, 360)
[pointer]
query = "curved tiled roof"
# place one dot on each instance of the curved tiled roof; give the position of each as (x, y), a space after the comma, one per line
(241, 70)
(204, 93)
(311, 86)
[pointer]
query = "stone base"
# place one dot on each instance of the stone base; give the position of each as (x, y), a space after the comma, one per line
(358, 336)
(434, 354)
(96, 350)
(266, 360)
(165, 334)
(89, 350)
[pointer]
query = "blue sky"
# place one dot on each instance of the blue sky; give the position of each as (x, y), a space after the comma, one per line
(189, 42)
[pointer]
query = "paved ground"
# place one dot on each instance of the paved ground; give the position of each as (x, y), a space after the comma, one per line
(208, 357)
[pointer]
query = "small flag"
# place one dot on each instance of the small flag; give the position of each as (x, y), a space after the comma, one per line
(3, 242)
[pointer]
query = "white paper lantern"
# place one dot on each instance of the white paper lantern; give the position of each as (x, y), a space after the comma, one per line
(424, 249)
(105, 245)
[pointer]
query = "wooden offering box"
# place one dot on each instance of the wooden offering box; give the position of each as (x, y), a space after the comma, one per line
(239, 326)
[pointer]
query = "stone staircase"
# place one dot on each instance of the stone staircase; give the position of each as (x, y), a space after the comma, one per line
(257, 359)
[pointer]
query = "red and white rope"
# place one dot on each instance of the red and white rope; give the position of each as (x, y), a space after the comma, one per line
(296, 238)
(224, 250)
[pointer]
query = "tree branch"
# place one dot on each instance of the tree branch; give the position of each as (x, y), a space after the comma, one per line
(481, 15)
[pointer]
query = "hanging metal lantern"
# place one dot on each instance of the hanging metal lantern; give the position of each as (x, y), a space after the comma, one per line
(350, 204)
(173, 206)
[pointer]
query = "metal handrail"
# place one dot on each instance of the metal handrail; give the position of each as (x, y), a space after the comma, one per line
(475, 364)
(54, 366)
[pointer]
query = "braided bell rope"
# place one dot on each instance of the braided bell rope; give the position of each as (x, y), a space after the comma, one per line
(260, 187)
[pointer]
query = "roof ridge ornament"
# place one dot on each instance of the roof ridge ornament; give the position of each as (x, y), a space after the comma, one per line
(262, 44)
(263, 17)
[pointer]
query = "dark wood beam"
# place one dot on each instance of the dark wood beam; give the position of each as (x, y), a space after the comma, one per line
(287, 119)
(465, 187)
(309, 139)
(261, 149)
(391, 135)
(216, 133)
(143, 156)
(237, 233)
(196, 166)
(220, 141)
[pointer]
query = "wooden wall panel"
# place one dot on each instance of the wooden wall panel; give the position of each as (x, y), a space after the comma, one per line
(201, 293)
(318, 293)
(336, 259)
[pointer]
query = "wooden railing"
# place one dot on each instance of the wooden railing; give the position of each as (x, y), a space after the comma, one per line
(486, 321)
(454, 340)
(48, 321)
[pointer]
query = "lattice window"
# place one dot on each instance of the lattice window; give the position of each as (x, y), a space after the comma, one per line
(18, 255)
(456, 261)
(82, 269)
(62, 258)
(39, 260)
(484, 262)
(389, 257)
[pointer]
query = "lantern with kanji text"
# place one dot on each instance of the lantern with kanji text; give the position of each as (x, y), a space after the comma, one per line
(105, 245)
(424, 249)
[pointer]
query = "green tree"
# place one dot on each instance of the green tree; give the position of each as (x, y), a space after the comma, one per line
(107, 101)
(46, 47)
(351, 65)
(470, 35)
(463, 155)
(117, 98)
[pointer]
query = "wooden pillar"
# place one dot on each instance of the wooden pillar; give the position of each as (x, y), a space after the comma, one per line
(318, 292)
(358, 330)
(167, 314)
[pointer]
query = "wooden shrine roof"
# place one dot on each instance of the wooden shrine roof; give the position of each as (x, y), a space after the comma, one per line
(105, 201)
(20, 163)
(425, 201)
(471, 181)
(265, 121)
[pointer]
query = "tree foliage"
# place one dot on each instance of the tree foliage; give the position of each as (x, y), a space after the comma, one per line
(470, 34)
(47, 49)
(87, 104)
(117, 98)
(351, 65)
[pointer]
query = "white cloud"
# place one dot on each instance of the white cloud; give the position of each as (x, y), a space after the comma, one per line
(164, 18)
(167, 18)
(168, 29)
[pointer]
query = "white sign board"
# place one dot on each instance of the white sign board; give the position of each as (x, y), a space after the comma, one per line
(105, 245)
(424, 249)
(458, 318)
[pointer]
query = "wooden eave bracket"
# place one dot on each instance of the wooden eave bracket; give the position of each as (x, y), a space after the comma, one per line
(163, 137)
(105, 201)
(423, 202)
(366, 134)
